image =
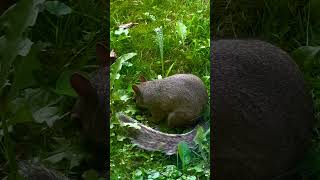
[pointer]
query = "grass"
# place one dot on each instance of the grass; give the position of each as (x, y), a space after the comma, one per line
(171, 37)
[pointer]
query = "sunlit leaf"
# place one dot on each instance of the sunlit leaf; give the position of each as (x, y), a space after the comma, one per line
(184, 153)
(181, 30)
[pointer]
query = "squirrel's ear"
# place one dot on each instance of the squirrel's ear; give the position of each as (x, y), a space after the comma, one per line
(103, 56)
(81, 85)
(143, 79)
(135, 89)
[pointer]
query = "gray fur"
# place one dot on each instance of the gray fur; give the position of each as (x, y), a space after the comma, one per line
(152, 140)
(31, 170)
(261, 111)
(91, 110)
(179, 99)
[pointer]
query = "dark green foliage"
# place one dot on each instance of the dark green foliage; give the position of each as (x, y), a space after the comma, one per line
(42, 43)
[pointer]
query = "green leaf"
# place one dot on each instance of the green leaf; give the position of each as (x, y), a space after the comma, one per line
(305, 55)
(197, 168)
(184, 154)
(57, 8)
(24, 71)
(57, 157)
(76, 159)
(121, 31)
(120, 95)
(24, 47)
(191, 178)
(116, 67)
(47, 114)
(137, 175)
(120, 138)
(16, 21)
(181, 30)
(63, 86)
(154, 175)
(172, 171)
(200, 136)
(131, 110)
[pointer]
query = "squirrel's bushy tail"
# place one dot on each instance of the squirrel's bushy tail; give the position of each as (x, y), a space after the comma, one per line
(152, 140)
(31, 170)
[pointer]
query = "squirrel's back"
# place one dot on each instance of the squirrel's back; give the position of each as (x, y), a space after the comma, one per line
(261, 110)
(179, 90)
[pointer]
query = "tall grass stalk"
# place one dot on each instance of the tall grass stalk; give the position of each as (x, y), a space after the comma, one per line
(159, 39)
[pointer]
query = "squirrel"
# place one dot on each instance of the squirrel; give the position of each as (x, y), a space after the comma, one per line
(179, 99)
(261, 112)
(91, 108)
(90, 111)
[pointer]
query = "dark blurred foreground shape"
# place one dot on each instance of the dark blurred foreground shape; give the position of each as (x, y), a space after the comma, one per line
(261, 110)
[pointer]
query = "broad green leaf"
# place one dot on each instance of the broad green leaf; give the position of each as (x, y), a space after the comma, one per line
(306, 52)
(138, 172)
(154, 175)
(57, 8)
(38, 98)
(63, 86)
(116, 67)
(16, 21)
(57, 157)
(184, 153)
(47, 114)
(120, 95)
(24, 72)
(305, 55)
(191, 178)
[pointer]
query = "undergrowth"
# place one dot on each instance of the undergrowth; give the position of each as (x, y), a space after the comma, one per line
(168, 37)
(41, 44)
